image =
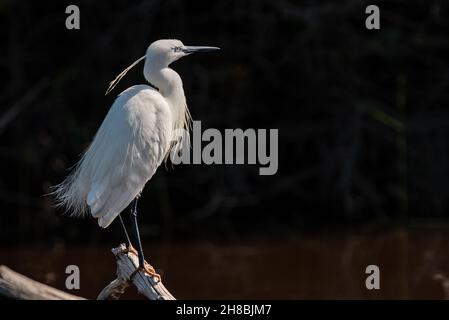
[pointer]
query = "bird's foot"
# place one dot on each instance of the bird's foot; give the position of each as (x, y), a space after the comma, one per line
(148, 268)
(150, 271)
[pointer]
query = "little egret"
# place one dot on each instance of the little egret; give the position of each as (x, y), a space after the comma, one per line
(136, 136)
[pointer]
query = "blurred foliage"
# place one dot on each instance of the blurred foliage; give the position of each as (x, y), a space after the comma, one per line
(363, 115)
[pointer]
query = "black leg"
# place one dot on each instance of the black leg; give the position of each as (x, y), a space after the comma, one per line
(124, 228)
(135, 232)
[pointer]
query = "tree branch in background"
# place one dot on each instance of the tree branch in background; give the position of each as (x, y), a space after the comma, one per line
(28, 98)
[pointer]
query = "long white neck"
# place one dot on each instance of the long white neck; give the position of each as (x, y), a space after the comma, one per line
(170, 86)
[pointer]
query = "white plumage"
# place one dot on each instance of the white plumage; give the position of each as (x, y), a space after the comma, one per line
(133, 140)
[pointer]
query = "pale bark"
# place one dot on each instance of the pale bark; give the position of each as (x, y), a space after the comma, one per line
(14, 285)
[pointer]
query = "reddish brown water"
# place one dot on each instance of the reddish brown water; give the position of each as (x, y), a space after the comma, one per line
(312, 267)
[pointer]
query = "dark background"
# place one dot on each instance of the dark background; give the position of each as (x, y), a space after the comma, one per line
(363, 122)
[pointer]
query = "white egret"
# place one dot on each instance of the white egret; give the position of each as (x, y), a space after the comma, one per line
(134, 139)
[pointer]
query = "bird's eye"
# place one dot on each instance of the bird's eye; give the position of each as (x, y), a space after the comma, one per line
(177, 49)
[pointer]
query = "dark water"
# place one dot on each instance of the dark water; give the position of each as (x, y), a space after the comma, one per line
(312, 267)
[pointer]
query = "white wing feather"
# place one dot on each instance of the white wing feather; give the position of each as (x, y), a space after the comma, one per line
(129, 146)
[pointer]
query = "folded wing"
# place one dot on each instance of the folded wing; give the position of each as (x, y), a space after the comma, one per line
(129, 146)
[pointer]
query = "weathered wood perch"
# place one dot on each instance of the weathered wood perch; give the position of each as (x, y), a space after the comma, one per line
(14, 285)
(127, 262)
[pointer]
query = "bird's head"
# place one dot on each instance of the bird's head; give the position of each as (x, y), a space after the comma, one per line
(160, 54)
(169, 50)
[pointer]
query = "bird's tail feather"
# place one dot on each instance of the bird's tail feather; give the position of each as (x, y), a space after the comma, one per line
(70, 194)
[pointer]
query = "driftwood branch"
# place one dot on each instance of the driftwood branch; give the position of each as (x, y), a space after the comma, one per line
(14, 285)
(127, 263)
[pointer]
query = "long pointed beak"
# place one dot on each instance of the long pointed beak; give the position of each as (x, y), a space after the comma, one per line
(193, 49)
